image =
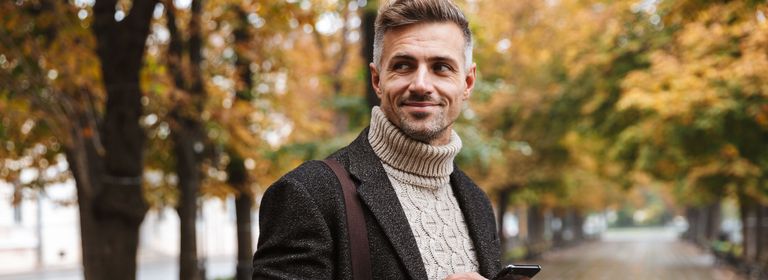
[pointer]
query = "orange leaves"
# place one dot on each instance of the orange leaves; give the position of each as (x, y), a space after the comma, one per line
(762, 116)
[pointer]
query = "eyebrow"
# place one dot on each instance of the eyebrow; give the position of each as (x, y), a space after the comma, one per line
(408, 57)
(402, 56)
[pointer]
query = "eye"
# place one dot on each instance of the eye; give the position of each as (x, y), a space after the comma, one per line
(442, 68)
(401, 67)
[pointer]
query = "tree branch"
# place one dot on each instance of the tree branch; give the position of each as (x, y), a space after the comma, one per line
(104, 18)
(175, 48)
(344, 45)
(137, 23)
(195, 44)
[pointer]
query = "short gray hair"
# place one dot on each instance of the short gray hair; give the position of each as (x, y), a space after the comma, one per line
(399, 13)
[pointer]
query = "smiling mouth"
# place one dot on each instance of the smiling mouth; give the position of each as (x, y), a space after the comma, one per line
(420, 104)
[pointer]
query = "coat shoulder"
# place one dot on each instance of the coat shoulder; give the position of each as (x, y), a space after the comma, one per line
(315, 180)
(471, 187)
(310, 173)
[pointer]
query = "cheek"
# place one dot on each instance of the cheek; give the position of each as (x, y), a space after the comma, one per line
(452, 91)
(456, 107)
(387, 99)
(394, 88)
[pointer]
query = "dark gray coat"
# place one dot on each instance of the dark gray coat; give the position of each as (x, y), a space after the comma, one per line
(303, 223)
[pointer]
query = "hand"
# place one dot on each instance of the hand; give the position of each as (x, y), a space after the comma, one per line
(465, 276)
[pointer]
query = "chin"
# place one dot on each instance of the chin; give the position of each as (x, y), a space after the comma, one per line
(424, 131)
(420, 116)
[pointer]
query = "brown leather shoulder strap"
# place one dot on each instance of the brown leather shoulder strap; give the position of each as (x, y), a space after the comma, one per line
(358, 234)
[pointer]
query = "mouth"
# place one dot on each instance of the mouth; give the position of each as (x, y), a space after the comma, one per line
(420, 109)
(419, 104)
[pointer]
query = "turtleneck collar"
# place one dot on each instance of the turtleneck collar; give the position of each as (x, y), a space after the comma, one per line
(407, 155)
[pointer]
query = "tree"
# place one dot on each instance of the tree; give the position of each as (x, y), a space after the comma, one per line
(32, 85)
(97, 130)
(368, 29)
(703, 106)
(120, 48)
(238, 175)
(543, 70)
(270, 89)
(189, 136)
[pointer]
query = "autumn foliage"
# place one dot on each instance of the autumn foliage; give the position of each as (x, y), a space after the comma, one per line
(577, 102)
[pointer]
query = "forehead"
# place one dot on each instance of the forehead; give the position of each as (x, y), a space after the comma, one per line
(429, 39)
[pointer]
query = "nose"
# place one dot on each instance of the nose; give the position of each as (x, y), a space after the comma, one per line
(421, 82)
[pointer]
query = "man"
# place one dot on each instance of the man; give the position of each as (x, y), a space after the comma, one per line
(425, 218)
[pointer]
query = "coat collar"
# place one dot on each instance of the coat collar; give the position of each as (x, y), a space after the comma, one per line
(379, 196)
(377, 193)
(469, 201)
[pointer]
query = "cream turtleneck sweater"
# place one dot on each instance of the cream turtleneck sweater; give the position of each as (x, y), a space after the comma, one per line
(420, 173)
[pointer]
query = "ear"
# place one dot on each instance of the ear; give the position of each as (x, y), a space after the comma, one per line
(375, 79)
(470, 81)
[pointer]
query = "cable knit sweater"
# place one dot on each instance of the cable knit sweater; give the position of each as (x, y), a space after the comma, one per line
(419, 173)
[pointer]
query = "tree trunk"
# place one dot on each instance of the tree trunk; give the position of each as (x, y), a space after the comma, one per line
(238, 176)
(762, 241)
(110, 198)
(695, 224)
(536, 222)
(690, 214)
(244, 200)
(243, 206)
(188, 135)
(187, 168)
(578, 225)
(108, 174)
(558, 236)
(713, 221)
(523, 222)
(341, 119)
(536, 229)
(745, 236)
(367, 27)
(746, 207)
(701, 228)
(79, 156)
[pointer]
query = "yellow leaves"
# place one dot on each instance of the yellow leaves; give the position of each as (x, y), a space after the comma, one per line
(673, 87)
(715, 65)
(734, 170)
(595, 102)
(583, 151)
(217, 189)
(585, 190)
(711, 67)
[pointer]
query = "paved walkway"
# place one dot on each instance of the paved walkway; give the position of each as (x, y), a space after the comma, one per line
(633, 254)
(647, 254)
(150, 270)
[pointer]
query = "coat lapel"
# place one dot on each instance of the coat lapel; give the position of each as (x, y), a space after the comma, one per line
(471, 207)
(377, 194)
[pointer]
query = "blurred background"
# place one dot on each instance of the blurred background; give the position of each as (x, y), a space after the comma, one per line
(616, 139)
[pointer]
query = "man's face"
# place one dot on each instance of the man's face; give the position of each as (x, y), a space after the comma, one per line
(423, 82)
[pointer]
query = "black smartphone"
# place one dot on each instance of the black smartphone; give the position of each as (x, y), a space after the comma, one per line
(518, 272)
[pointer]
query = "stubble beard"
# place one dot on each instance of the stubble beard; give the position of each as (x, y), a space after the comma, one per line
(431, 130)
